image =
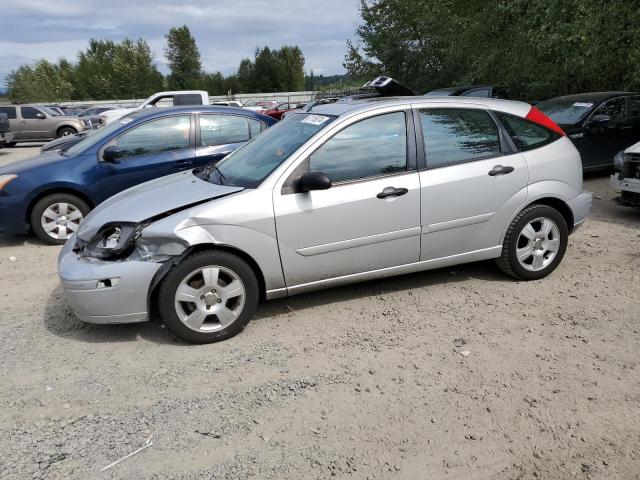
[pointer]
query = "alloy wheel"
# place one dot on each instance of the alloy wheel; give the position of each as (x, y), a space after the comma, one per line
(538, 244)
(210, 298)
(61, 220)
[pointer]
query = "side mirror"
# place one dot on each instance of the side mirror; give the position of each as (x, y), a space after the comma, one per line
(40, 115)
(313, 181)
(111, 154)
(600, 120)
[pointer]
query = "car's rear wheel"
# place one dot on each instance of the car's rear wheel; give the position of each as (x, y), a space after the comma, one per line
(66, 131)
(535, 243)
(209, 296)
(56, 217)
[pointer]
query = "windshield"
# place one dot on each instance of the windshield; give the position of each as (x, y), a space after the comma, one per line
(250, 165)
(97, 136)
(566, 111)
(439, 93)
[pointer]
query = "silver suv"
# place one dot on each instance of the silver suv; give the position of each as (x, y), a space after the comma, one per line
(342, 193)
(37, 123)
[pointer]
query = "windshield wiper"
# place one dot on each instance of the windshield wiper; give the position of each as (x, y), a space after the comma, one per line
(212, 167)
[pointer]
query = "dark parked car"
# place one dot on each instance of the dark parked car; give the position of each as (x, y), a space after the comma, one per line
(6, 135)
(600, 124)
(52, 192)
(484, 91)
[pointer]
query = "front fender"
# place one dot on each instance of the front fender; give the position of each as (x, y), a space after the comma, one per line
(262, 248)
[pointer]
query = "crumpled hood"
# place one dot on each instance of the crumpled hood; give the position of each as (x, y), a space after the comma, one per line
(152, 198)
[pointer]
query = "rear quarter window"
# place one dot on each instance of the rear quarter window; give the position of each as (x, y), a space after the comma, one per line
(10, 111)
(525, 134)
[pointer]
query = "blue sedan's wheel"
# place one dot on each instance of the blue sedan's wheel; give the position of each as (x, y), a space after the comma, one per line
(56, 217)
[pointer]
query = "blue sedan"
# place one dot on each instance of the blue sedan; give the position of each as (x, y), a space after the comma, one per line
(51, 193)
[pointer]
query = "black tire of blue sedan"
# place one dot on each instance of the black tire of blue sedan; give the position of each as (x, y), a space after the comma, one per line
(535, 243)
(56, 217)
(208, 297)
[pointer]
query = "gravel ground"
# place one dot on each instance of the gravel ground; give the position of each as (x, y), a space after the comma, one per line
(365, 381)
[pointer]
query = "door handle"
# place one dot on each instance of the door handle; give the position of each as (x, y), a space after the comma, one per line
(500, 170)
(392, 192)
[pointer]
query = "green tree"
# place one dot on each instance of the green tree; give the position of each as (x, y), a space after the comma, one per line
(536, 48)
(40, 82)
(184, 59)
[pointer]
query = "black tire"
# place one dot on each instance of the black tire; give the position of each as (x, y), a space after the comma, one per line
(508, 261)
(165, 299)
(45, 203)
(10, 144)
(65, 131)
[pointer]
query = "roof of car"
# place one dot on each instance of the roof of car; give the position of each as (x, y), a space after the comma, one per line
(356, 106)
(592, 96)
(159, 112)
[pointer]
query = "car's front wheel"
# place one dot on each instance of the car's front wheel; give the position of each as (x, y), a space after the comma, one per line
(209, 296)
(66, 131)
(56, 217)
(535, 243)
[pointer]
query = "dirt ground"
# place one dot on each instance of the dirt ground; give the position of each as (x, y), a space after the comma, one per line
(365, 381)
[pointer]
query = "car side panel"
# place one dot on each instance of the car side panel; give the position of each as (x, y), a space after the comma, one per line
(243, 220)
(560, 162)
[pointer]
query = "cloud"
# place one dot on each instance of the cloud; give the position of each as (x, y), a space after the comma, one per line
(225, 30)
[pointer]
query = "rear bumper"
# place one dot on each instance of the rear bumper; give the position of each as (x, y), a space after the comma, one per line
(580, 206)
(7, 137)
(93, 300)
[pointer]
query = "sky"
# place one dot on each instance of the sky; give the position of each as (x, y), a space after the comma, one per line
(226, 31)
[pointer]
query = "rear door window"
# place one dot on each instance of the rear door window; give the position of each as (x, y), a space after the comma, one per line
(187, 99)
(525, 134)
(223, 129)
(454, 136)
(10, 111)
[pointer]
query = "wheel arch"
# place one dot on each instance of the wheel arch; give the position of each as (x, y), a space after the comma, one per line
(557, 204)
(52, 191)
(162, 272)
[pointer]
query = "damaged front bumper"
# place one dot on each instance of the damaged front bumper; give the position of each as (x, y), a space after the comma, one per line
(629, 190)
(101, 291)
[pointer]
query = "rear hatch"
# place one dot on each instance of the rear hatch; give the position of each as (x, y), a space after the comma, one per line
(4, 123)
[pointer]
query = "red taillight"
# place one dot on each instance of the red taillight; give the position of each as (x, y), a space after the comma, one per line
(536, 116)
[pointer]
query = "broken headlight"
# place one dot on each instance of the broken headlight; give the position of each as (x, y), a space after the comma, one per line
(114, 240)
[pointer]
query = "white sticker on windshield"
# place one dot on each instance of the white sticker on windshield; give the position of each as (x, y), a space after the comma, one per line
(583, 104)
(315, 119)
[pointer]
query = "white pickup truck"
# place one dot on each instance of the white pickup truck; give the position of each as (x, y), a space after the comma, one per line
(627, 176)
(160, 99)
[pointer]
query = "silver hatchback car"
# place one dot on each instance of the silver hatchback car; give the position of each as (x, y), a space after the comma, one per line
(342, 193)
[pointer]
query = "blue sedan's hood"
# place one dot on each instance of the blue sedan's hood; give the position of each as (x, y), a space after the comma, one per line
(152, 198)
(38, 161)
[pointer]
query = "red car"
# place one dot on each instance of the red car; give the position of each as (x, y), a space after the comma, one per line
(278, 111)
